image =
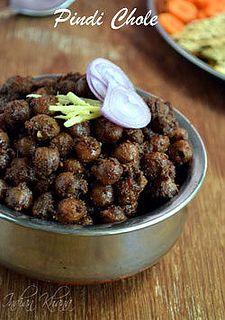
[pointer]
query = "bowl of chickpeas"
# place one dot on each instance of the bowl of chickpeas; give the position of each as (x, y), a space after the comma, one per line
(94, 202)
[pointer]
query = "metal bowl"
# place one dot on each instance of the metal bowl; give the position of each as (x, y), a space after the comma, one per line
(157, 6)
(76, 254)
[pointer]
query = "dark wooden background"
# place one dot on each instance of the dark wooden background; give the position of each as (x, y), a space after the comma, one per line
(189, 283)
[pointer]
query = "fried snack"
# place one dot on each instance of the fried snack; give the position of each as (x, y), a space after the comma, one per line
(205, 39)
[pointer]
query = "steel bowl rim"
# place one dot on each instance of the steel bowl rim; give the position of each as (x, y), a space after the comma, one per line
(189, 190)
(196, 61)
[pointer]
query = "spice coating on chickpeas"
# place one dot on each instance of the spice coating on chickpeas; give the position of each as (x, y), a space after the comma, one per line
(3, 189)
(130, 210)
(25, 146)
(73, 165)
(159, 143)
(163, 118)
(46, 161)
(80, 130)
(112, 214)
(64, 143)
(94, 172)
(44, 184)
(20, 171)
(86, 221)
(155, 163)
(130, 187)
(87, 149)
(43, 207)
(4, 141)
(41, 105)
(4, 160)
(43, 127)
(2, 121)
(16, 112)
(18, 85)
(19, 198)
(101, 195)
(82, 89)
(107, 171)
(178, 134)
(164, 188)
(68, 185)
(107, 131)
(134, 135)
(71, 211)
(127, 152)
(180, 152)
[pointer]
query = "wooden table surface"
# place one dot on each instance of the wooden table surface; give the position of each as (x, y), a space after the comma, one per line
(189, 282)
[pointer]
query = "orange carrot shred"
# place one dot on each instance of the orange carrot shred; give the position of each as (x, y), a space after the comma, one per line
(183, 10)
(201, 14)
(170, 23)
(201, 4)
(215, 8)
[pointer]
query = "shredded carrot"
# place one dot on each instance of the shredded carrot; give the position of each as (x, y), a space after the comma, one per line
(214, 8)
(183, 10)
(201, 4)
(201, 14)
(170, 23)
